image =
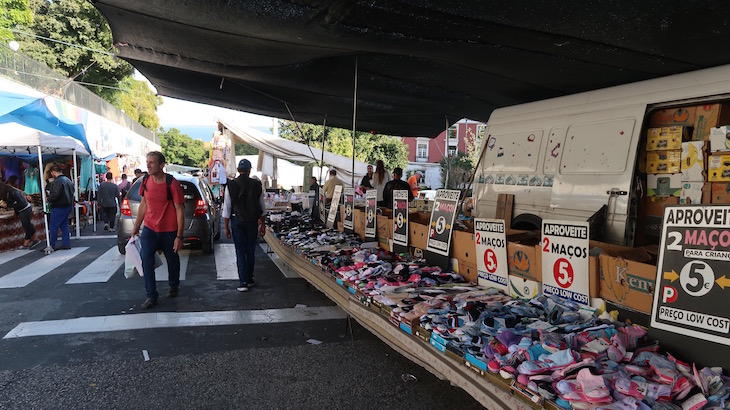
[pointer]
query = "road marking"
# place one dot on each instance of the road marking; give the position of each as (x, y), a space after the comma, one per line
(10, 255)
(27, 274)
(161, 273)
(225, 261)
(100, 270)
(94, 237)
(173, 319)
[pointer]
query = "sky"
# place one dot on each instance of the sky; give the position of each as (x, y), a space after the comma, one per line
(199, 120)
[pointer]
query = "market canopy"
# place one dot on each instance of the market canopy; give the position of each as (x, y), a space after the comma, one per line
(294, 151)
(33, 113)
(23, 142)
(421, 64)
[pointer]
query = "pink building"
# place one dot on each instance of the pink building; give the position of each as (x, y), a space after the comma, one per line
(424, 154)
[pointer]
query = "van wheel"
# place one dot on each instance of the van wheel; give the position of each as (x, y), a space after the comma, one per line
(208, 245)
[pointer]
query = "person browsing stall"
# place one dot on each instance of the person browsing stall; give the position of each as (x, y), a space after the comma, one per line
(380, 177)
(244, 215)
(162, 212)
(394, 185)
(61, 198)
(330, 184)
(413, 182)
(16, 199)
(365, 182)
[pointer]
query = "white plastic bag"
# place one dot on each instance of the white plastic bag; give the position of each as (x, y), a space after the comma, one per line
(133, 258)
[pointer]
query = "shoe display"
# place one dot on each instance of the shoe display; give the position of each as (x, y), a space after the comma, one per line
(148, 304)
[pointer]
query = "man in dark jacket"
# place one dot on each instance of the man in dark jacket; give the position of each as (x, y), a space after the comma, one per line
(395, 184)
(61, 199)
(244, 204)
(108, 198)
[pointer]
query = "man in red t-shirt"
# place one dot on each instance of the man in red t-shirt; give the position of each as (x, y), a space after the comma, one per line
(162, 210)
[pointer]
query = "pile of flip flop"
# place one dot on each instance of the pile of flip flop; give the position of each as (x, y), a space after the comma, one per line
(556, 349)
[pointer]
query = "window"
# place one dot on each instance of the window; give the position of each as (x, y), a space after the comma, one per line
(422, 150)
(452, 150)
(451, 132)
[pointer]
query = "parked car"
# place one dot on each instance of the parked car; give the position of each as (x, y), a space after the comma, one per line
(202, 216)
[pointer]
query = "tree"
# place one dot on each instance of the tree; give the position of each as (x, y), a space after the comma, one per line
(13, 13)
(138, 101)
(180, 149)
(368, 147)
(456, 171)
(75, 22)
(245, 149)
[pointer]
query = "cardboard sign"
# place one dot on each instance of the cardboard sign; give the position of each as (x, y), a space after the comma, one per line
(491, 253)
(692, 283)
(442, 221)
(334, 206)
(322, 206)
(565, 260)
(371, 210)
(349, 222)
(400, 217)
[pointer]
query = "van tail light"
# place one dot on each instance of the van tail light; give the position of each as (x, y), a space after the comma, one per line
(125, 209)
(200, 208)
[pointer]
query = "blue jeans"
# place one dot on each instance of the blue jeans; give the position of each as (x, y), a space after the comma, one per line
(59, 219)
(245, 235)
(151, 242)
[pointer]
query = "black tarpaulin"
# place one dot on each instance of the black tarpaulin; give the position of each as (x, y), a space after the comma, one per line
(420, 63)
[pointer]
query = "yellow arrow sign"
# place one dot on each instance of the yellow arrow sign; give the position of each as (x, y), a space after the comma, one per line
(723, 282)
(672, 276)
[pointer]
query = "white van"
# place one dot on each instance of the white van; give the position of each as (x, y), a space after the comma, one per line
(565, 158)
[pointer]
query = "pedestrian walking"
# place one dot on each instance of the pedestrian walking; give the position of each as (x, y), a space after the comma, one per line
(162, 212)
(109, 197)
(244, 212)
(61, 198)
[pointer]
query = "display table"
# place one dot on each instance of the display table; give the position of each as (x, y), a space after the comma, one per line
(12, 234)
(489, 390)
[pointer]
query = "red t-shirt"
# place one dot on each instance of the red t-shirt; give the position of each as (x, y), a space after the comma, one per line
(161, 216)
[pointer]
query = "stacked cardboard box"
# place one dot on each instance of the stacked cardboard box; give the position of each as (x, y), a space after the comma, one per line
(663, 155)
(718, 166)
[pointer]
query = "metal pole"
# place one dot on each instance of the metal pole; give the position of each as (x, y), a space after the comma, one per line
(43, 196)
(76, 195)
(93, 189)
(354, 115)
(321, 163)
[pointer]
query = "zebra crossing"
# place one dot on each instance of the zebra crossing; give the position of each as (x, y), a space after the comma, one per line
(105, 266)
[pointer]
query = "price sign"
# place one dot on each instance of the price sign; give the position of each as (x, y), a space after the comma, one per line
(491, 250)
(400, 217)
(692, 282)
(371, 210)
(349, 221)
(322, 206)
(442, 221)
(334, 206)
(565, 260)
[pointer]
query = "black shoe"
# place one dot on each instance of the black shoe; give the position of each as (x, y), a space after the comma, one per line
(148, 304)
(61, 248)
(172, 292)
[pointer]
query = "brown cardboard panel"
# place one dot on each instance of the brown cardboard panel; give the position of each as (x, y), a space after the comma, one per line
(720, 194)
(684, 116)
(340, 223)
(359, 222)
(708, 116)
(384, 226)
(626, 282)
(654, 205)
(463, 246)
(468, 270)
(418, 234)
(524, 256)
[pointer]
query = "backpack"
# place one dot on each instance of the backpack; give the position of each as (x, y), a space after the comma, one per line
(168, 180)
(245, 194)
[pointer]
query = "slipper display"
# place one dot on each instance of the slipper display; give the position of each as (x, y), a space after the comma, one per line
(569, 355)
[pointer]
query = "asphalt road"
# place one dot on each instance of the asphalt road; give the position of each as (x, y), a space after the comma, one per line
(250, 365)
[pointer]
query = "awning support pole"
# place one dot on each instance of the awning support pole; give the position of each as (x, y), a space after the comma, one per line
(43, 196)
(76, 196)
(354, 117)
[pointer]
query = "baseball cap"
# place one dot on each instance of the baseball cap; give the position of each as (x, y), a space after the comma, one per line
(244, 164)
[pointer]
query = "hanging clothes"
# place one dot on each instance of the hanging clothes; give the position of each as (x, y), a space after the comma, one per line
(32, 180)
(85, 175)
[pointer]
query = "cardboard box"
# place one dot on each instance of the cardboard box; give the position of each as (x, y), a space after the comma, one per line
(524, 256)
(684, 116)
(418, 235)
(463, 246)
(522, 288)
(663, 162)
(664, 185)
(359, 222)
(719, 139)
(653, 213)
(384, 230)
(693, 161)
(718, 168)
(665, 138)
(468, 270)
(692, 193)
(720, 193)
(708, 116)
(626, 282)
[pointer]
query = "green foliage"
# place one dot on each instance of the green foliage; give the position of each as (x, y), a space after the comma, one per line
(245, 149)
(456, 171)
(138, 101)
(368, 147)
(12, 13)
(75, 22)
(180, 149)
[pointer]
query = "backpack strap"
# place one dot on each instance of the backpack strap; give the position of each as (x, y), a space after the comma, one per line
(168, 181)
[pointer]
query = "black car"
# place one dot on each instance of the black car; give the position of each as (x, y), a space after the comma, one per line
(202, 216)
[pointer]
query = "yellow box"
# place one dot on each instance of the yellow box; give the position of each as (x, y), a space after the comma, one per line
(664, 138)
(718, 168)
(663, 162)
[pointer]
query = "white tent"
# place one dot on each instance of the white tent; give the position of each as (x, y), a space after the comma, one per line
(293, 151)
